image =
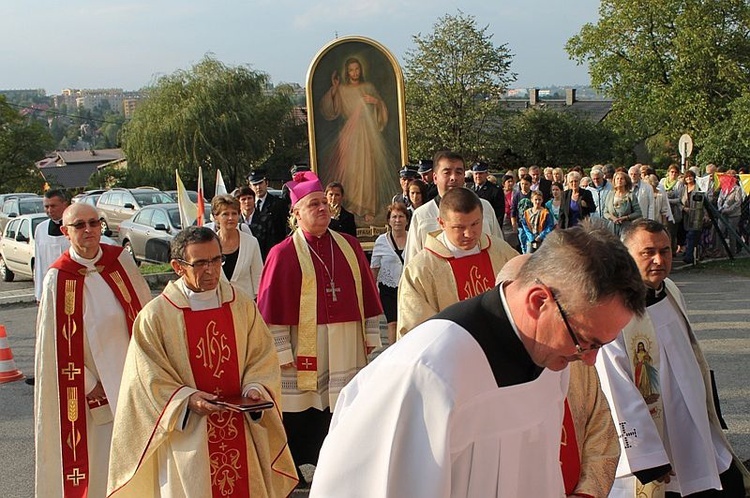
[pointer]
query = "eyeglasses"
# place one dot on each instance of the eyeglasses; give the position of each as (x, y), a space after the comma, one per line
(579, 349)
(203, 264)
(80, 225)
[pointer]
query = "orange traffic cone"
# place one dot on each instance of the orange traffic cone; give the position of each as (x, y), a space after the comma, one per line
(8, 370)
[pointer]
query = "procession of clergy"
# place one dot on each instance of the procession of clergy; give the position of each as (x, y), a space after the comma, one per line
(572, 370)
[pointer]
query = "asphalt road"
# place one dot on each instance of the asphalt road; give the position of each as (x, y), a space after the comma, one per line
(719, 310)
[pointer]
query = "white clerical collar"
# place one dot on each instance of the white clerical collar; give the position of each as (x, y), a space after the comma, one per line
(457, 252)
(507, 310)
(88, 263)
(206, 300)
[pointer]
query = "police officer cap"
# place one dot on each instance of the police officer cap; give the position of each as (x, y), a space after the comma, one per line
(300, 166)
(480, 167)
(408, 172)
(256, 176)
(425, 166)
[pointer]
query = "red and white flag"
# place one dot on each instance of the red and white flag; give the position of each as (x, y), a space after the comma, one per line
(201, 207)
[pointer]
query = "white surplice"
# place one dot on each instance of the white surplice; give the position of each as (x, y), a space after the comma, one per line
(427, 419)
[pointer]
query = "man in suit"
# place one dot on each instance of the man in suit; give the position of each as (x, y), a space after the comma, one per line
(269, 222)
(488, 191)
(538, 182)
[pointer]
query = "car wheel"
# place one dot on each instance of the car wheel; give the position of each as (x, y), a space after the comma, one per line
(5, 273)
(128, 247)
(105, 228)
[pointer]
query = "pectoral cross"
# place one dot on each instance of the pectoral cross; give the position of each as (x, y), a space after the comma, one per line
(332, 290)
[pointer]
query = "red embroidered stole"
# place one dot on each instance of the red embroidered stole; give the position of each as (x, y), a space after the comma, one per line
(570, 459)
(474, 274)
(69, 341)
(212, 348)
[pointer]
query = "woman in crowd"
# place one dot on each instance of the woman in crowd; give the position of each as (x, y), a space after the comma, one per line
(387, 262)
(621, 207)
(662, 212)
(553, 205)
(341, 219)
(674, 188)
(730, 203)
(558, 176)
(577, 202)
(417, 194)
(692, 215)
(510, 234)
(243, 263)
(536, 223)
(548, 173)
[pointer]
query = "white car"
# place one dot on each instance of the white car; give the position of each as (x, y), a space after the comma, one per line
(17, 246)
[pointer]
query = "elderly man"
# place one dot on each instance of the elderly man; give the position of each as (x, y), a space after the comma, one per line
(49, 241)
(90, 297)
(600, 188)
(658, 384)
(539, 183)
(488, 191)
(457, 263)
(319, 299)
(196, 345)
(470, 403)
(448, 173)
(642, 191)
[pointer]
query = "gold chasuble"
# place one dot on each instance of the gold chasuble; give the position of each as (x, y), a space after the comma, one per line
(307, 342)
(69, 342)
(213, 360)
(159, 446)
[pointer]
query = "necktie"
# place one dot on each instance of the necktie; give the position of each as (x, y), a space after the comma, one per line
(258, 204)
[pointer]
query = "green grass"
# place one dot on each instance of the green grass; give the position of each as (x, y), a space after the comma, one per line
(738, 266)
(149, 269)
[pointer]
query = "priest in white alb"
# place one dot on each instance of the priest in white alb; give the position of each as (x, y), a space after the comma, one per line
(458, 262)
(658, 383)
(470, 403)
(448, 173)
(319, 299)
(49, 241)
(90, 298)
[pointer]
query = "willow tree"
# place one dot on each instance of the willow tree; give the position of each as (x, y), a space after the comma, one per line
(212, 115)
(454, 79)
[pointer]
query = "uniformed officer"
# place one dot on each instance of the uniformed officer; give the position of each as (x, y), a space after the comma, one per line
(487, 190)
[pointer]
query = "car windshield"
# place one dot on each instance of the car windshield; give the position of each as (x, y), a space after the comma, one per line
(30, 206)
(148, 198)
(174, 218)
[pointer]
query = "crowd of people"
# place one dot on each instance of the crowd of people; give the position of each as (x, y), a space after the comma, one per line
(536, 346)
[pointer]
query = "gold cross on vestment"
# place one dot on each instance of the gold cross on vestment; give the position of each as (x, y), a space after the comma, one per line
(76, 476)
(71, 371)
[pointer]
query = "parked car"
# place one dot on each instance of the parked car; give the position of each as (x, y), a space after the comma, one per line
(147, 235)
(5, 197)
(119, 204)
(17, 206)
(88, 195)
(17, 247)
(191, 193)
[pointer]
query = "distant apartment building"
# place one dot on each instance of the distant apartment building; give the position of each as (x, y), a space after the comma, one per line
(118, 99)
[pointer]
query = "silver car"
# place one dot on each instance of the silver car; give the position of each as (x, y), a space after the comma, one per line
(148, 234)
(17, 247)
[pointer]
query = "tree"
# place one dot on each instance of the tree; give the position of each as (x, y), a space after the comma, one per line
(454, 79)
(671, 66)
(212, 115)
(728, 143)
(22, 142)
(548, 137)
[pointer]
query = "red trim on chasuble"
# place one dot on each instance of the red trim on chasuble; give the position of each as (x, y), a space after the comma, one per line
(71, 388)
(212, 349)
(474, 274)
(570, 459)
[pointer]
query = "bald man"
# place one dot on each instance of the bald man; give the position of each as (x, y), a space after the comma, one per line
(90, 297)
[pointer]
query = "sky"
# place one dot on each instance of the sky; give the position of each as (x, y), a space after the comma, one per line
(129, 43)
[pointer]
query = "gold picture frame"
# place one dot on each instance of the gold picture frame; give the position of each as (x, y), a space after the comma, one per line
(357, 123)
